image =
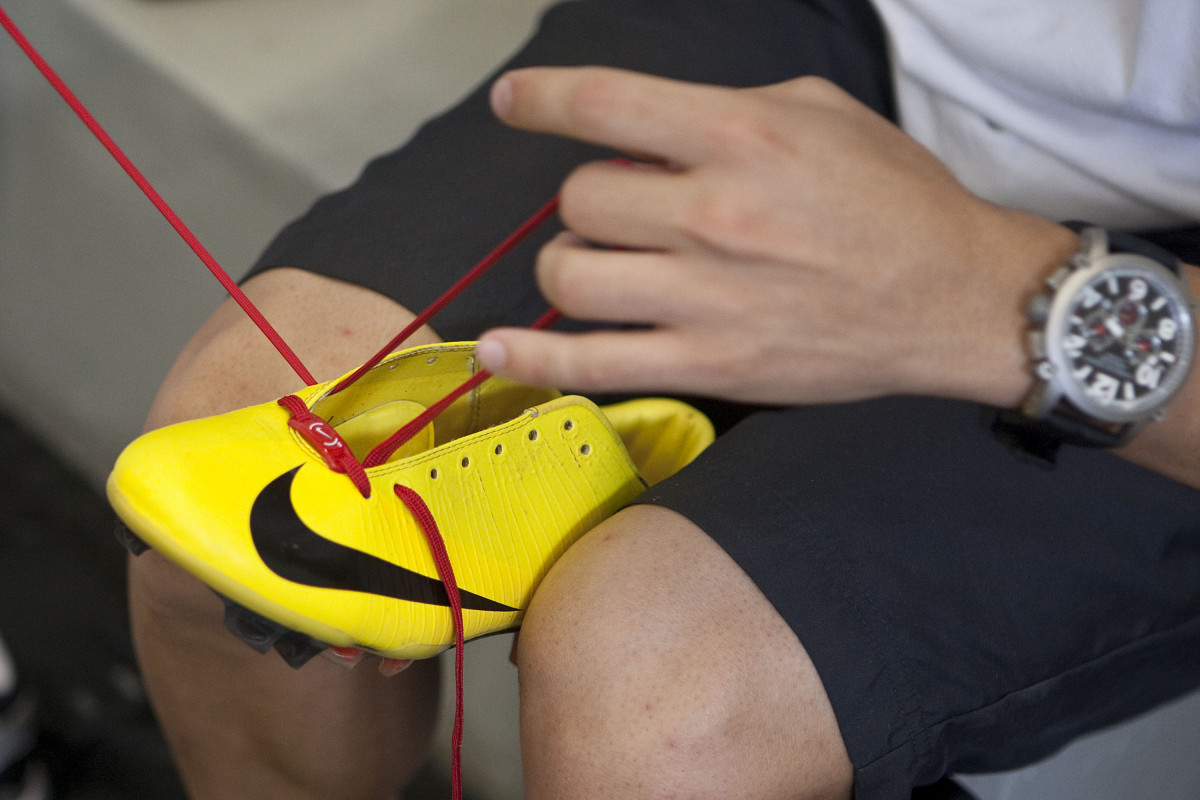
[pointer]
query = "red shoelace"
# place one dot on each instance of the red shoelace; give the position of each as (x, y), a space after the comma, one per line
(315, 429)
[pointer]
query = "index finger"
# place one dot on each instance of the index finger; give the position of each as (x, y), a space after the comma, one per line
(654, 117)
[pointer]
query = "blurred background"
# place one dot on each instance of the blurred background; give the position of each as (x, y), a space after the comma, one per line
(240, 112)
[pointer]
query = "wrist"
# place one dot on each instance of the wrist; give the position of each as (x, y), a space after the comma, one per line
(1011, 256)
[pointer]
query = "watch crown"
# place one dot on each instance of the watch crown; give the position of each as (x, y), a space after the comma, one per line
(1060, 275)
(1039, 309)
(1037, 344)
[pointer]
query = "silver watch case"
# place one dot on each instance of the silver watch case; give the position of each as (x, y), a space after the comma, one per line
(1051, 314)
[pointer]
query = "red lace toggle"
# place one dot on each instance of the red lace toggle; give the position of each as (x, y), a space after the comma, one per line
(326, 441)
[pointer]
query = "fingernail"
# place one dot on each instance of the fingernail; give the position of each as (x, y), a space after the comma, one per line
(491, 354)
(390, 667)
(347, 657)
(502, 96)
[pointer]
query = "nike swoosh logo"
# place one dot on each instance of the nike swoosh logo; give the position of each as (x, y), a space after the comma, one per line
(296, 553)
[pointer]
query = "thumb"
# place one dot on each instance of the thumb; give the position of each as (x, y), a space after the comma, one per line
(523, 355)
(599, 360)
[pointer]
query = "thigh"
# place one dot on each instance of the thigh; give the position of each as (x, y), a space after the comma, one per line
(965, 610)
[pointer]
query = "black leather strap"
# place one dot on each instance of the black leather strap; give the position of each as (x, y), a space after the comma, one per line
(1119, 242)
(1042, 438)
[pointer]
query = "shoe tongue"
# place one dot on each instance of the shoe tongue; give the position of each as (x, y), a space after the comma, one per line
(365, 430)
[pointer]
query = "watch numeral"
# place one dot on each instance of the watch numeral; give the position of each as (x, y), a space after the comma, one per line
(1104, 387)
(1148, 375)
(1167, 328)
(1073, 344)
(1138, 289)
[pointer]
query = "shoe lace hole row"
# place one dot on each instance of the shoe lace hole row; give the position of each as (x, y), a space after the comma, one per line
(466, 461)
(586, 449)
(499, 450)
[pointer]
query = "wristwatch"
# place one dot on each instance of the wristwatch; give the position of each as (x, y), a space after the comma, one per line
(1113, 338)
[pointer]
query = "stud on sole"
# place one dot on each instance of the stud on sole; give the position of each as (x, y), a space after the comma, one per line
(262, 634)
(128, 539)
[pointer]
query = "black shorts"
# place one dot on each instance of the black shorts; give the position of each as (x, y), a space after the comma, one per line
(967, 610)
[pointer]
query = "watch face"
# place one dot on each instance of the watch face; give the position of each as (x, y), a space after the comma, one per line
(1124, 340)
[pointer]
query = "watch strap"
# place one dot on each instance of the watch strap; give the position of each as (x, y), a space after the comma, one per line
(1120, 242)
(1042, 438)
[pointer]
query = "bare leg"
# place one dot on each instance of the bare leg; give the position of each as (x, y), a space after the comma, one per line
(241, 724)
(651, 666)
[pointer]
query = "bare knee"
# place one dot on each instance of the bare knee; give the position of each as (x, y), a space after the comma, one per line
(651, 666)
(333, 326)
(229, 364)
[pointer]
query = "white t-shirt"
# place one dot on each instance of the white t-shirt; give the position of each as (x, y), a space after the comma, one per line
(1071, 109)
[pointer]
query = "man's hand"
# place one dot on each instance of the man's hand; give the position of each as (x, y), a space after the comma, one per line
(782, 244)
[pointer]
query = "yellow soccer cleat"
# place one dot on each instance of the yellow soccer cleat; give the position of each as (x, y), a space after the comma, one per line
(265, 506)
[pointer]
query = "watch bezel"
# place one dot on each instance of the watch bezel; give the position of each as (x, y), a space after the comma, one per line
(1056, 369)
